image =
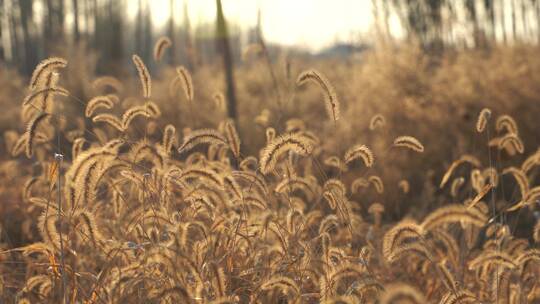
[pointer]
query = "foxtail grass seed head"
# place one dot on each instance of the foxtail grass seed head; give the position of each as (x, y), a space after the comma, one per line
(160, 47)
(482, 120)
(144, 76)
(330, 96)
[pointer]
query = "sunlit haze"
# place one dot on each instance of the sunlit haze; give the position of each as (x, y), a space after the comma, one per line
(312, 24)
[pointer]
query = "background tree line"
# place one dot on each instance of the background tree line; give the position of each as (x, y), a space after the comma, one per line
(460, 23)
(32, 29)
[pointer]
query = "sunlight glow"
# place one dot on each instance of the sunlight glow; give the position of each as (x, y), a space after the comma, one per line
(313, 24)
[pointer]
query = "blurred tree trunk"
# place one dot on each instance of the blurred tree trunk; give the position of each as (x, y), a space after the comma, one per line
(56, 14)
(30, 57)
(147, 49)
(138, 28)
(15, 37)
(524, 23)
(514, 21)
(61, 17)
(537, 10)
(48, 28)
(503, 22)
(222, 38)
(489, 7)
(452, 18)
(6, 54)
(434, 25)
(76, 33)
(401, 12)
(377, 19)
(87, 17)
(115, 37)
(386, 14)
(470, 5)
(381, 14)
(171, 34)
(479, 35)
(191, 55)
(95, 11)
(266, 56)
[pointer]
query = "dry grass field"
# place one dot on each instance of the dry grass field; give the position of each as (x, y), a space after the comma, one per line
(396, 178)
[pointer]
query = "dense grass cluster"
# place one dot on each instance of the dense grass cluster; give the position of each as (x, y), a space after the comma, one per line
(149, 194)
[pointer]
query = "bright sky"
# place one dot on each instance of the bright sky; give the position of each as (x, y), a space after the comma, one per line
(309, 23)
